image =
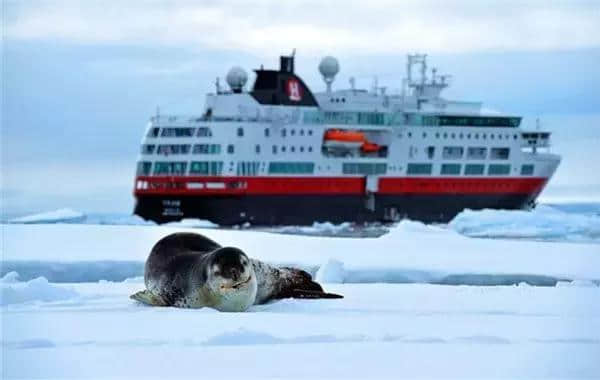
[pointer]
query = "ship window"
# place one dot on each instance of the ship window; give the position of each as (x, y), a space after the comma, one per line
(452, 152)
(206, 149)
(293, 132)
(491, 136)
(409, 134)
(437, 135)
(497, 169)
(206, 167)
(204, 132)
(240, 132)
(468, 136)
(450, 169)
(177, 132)
(430, 151)
(266, 132)
(310, 148)
(274, 149)
(153, 132)
(452, 135)
(301, 149)
(257, 148)
(230, 148)
(248, 168)
(293, 149)
(424, 134)
(283, 132)
(460, 136)
(474, 169)
(515, 137)
(364, 168)
(309, 132)
(419, 169)
(477, 153)
(477, 136)
(527, 170)
(173, 149)
(169, 167)
(483, 136)
(445, 135)
(148, 148)
(291, 167)
(499, 153)
(143, 168)
(302, 132)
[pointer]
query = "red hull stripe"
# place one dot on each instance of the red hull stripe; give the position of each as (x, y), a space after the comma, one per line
(334, 185)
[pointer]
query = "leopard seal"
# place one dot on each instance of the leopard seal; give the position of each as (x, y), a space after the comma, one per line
(192, 271)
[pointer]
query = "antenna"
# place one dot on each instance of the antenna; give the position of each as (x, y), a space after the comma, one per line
(218, 85)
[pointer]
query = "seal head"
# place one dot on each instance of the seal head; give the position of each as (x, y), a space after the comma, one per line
(230, 280)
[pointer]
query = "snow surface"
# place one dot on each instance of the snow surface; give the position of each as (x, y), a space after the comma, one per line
(376, 331)
(396, 320)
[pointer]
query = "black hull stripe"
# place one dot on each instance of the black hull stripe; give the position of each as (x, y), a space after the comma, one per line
(307, 209)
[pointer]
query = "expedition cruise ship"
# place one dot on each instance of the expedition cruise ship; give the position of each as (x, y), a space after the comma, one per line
(281, 154)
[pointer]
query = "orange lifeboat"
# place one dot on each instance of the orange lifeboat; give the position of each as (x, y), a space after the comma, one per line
(368, 147)
(338, 137)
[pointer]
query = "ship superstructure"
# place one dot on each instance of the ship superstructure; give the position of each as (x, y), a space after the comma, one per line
(280, 154)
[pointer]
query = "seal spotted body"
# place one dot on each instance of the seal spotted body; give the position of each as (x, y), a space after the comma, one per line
(190, 270)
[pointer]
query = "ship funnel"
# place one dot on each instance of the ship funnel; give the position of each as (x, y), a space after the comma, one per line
(236, 79)
(328, 68)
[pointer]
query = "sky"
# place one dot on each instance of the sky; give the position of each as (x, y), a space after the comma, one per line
(81, 78)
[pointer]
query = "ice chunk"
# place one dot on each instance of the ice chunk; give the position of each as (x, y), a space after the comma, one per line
(38, 289)
(543, 223)
(10, 278)
(332, 272)
(64, 215)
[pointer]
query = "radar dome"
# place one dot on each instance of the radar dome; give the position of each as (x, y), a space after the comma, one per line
(329, 67)
(236, 78)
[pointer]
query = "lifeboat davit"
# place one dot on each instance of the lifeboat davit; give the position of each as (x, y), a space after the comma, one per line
(342, 138)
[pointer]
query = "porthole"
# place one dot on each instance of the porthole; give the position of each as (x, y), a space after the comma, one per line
(310, 132)
(301, 149)
(424, 134)
(302, 132)
(293, 132)
(310, 148)
(293, 149)
(283, 148)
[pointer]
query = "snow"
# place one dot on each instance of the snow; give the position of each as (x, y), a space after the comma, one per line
(399, 317)
(543, 223)
(377, 330)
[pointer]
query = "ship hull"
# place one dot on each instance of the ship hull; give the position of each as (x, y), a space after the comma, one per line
(307, 209)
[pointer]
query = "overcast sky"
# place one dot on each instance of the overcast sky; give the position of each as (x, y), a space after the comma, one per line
(81, 78)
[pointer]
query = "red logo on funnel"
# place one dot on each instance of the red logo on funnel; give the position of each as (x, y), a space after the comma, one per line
(293, 90)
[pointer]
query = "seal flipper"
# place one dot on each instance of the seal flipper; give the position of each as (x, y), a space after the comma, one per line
(148, 298)
(299, 284)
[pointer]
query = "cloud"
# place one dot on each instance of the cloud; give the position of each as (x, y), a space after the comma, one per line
(314, 27)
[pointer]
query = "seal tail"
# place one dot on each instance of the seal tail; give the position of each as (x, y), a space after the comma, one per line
(299, 284)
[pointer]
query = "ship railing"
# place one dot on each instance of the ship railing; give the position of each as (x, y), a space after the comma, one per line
(193, 120)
